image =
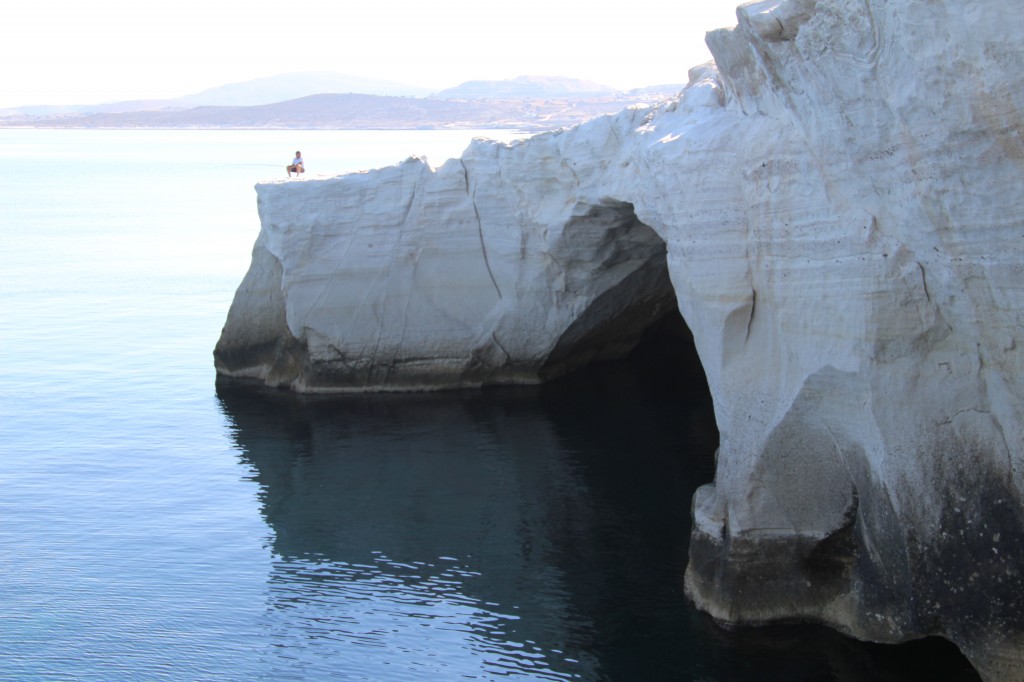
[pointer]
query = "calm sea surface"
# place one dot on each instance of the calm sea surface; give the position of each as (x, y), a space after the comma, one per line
(155, 527)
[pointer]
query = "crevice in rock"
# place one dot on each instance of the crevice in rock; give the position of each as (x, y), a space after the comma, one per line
(753, 307)
(479, 227)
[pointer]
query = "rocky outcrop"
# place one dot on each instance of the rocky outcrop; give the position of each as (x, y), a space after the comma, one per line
(836, 209)
(503, 266)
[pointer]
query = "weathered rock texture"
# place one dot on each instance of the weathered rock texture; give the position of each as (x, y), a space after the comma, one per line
(837, 210)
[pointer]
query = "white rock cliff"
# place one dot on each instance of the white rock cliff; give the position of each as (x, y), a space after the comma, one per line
(837, 211)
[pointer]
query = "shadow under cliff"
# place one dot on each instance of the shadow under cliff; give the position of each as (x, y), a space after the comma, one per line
(519, 530)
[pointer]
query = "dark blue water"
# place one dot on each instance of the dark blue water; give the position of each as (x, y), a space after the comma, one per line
(155, 525)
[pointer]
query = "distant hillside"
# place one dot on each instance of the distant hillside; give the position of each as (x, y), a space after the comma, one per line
(570, 100)
(526, 87)
(656, 90)
(314, 111)
(355, 112)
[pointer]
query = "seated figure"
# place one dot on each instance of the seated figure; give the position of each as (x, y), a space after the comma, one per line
(297, 166)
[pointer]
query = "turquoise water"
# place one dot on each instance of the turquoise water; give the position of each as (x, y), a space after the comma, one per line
(156, 527)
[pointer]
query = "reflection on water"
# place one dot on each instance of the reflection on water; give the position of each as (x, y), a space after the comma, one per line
(415, 522)
(538, 533)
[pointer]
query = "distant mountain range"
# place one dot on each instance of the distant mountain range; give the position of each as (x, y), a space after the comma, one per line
(266, 90)
(331, 100)
(294, 85)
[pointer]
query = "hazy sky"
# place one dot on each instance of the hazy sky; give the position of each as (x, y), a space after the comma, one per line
(88, 51)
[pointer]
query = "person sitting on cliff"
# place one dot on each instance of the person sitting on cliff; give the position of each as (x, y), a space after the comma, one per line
(298, 165)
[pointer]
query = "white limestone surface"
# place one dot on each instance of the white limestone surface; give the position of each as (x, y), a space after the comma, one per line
(838, 205)
(484, 270)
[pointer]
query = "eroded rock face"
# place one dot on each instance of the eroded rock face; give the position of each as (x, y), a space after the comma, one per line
(870, 475)
(413, 277)
(838, 207)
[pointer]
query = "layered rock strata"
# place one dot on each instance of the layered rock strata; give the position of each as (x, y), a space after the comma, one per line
(837, 210)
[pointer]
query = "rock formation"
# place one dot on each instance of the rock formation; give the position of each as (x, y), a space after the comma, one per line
(836, 208)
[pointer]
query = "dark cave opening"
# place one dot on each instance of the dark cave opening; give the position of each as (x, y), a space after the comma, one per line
(631, 343)
(662, 378)
(663, 368)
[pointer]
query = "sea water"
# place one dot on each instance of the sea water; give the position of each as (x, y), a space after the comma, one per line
(155, 526)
